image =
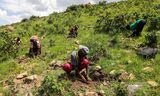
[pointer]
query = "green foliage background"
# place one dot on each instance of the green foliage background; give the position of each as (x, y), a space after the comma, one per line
(98, 25)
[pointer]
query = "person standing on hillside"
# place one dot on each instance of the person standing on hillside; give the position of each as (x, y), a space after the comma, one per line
(79, 63)
(136, 27)
(35, 46)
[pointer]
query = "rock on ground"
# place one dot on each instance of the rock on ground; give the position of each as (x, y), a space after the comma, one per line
(91, 94)
(55, 63)
(30, 79)
(132, 89)
(124, 76)
(1, 94)
(147, 69)
(148, 52)
(22, 75)
(152, 83)
(131, 76)
(112, 72)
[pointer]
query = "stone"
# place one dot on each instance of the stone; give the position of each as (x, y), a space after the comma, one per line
(54, 62)
(17, 81)
(132, 89)
(22, 75)
(98, 67)
(131, 76)
(148, 52)
(80, 94)
(30, 79)
(101, 93)
(29, 94)
(1, 94)
(106, 83)
(124, 76)
(112, 72)
(147, 69)
(152, 83)
(91, 94)
(77, 42)
(59, 63)
(129, 61)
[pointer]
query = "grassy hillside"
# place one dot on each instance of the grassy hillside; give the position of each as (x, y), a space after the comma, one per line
(99, 25)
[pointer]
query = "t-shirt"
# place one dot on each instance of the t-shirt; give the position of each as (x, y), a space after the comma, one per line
(135, 25)
(82, 66)
(74, 59)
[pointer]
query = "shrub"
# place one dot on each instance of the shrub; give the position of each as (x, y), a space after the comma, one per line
(151, 40)
(7, 46)
(24, 20)
(50, 21)
(52, 87)
(106, 24)
(33, 17)
(121, 90)
(102, 3)
(154, 24)
(75, 7)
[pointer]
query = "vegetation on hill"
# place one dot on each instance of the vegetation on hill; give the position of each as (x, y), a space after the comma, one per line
(102, 29)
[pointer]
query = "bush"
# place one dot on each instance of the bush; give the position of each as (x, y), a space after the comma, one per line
(50, 21)
(72, 8)
(121, 90)
(7, 46)
(52, 87)
(33, 17)
(97, 52)
(154, 24)
(106, 24)
(75, 7)
(24, 20)
(102, 3)
(151, 40)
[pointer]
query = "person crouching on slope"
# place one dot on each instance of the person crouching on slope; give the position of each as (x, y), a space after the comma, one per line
(35, 46)
(79, 63)
(136, 27)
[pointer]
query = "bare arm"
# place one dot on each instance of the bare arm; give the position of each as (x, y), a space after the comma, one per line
(82, 75)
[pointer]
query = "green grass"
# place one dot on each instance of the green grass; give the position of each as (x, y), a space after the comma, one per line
(56, 46)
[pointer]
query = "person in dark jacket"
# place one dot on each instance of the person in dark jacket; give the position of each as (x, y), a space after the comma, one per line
(35, 46)
(73, 32)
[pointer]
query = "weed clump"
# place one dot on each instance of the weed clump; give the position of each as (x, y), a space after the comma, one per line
(52, 87)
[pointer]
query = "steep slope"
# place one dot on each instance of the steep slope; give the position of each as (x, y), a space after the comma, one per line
(99, 26)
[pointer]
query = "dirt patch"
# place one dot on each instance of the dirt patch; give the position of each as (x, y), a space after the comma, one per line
(20, 87)
(55, 64)
(96, 79)
(99, 75)
(77, 83)
(22, 60)
(80, 85)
